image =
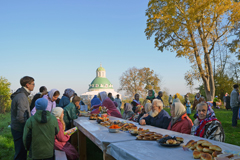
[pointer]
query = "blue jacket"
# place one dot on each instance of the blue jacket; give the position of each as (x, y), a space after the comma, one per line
(161, 120)
(64, 101)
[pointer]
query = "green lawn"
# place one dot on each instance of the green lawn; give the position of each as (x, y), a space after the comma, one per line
(93, 152)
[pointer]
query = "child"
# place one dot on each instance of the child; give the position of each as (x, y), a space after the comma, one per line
(61, 140)
(188, 105)
(39, 132)
(71, 111)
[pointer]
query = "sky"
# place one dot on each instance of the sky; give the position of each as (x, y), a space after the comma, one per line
(62, 43)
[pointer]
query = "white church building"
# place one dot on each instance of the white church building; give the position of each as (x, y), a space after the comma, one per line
(99, 84)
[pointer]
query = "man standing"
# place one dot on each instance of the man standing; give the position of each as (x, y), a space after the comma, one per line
(110, 96)
(234, 103)
(118, 101)
(20, 112)
(160, 94)
(170, 100)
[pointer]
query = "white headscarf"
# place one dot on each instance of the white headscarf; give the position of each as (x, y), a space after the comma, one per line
(51, 93)
(179, 110)
(103, 95)
(128, 107)
(148, 107)
(57, 112)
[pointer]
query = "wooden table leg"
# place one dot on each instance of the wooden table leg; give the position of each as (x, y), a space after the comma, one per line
(82, 146)
(107, 156)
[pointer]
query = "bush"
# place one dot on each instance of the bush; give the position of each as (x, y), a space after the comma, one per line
(5, 101)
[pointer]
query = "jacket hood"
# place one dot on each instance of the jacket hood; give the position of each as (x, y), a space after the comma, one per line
(42, 116)
(20, 90)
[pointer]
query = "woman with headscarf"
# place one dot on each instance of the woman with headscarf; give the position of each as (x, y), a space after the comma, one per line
(61, 140)
(147, 111)
(198, 99)
(108, 103)
(135, 102)
(51, 97)
(65, 100)
(128, 113)
(180, 122)
(95, 101)
(150, 97)
(207, 125)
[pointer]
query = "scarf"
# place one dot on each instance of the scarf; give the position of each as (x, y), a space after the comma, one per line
(153, 95)
(103, 95)
(179, 110)
(68, 92)
(200, 130)
(148, 107)
(127, 108)
(95, 101)
(51, 93)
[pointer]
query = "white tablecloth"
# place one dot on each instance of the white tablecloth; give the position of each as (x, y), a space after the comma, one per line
(99, 134)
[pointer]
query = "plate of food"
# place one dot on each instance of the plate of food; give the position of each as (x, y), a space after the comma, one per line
(84, 113)
(93, 117)
(170, 141)
(114, 128)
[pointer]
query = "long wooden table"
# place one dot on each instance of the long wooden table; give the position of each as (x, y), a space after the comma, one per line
(123, 145)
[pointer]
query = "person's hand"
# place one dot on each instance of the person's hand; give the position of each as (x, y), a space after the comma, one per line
(196, 122)
(142, 122)
(145, 115)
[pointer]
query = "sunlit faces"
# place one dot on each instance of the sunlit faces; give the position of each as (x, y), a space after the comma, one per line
(137, 97)
(202, 111)
(30, 86)
(54, 98)
(150, 93)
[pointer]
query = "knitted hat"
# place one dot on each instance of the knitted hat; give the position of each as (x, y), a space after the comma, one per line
(41, 104)
(76, 99)
(57, 112)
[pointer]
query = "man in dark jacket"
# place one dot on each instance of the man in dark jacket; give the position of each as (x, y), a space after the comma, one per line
(20, 112)
(159, 117)
(234, 103)
(160, 94)
(36, 96)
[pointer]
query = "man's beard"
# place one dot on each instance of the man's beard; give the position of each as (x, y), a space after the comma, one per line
(153, 113)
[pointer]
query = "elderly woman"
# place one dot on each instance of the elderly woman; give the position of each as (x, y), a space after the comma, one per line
(108, 103)
(147, 111)
(180, 122)
(128, 113)
(207, 125)
(65, 100)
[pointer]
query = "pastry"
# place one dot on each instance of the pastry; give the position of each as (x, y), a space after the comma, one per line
(207, 150)
(179, 139)
(206, 144)
(199, 147)
(200, 141)
(196, 154)
(215, 148)
(215, 153)
(206, 156)
(171, 141)
(188, 145)
(193, 145)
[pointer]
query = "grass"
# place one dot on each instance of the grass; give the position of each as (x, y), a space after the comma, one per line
(232, 135)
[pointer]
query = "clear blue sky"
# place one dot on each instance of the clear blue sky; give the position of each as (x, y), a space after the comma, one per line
(61, 44)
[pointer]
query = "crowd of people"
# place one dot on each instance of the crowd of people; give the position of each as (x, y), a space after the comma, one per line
(39, 127)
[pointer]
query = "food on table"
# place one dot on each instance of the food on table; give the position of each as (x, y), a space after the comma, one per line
(179, 139)
(149, 136)
(171, 141)
(166, 136)
(115, 126)
(102, 119)
(93, 117)
(105, 124)
(196, 154)
(127, 126)
(215, 153)
(206, 156)
(204, 147)
(84, 113)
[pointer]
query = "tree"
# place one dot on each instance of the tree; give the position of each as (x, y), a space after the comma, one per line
(139, 81)
(5, 101)
(149, 79)
(192, 28)
(130, 82)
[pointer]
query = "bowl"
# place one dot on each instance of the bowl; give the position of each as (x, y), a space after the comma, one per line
(113, 130)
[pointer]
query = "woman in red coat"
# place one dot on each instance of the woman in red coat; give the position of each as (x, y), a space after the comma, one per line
(180, 122)
(61, 140)
(108, 103)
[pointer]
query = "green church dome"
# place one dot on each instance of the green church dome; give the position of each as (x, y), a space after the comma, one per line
(100, 83)
(100, 69)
